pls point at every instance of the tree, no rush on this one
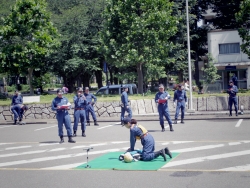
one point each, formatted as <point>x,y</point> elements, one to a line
<point>243,19</point>
<point>136,34</point>
<point>28,37</point>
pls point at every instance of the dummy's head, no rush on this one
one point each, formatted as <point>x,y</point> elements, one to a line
<point>128,157</point>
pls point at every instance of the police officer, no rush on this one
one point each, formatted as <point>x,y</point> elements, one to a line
<point>181,98</point>
<point>138,132</point>
<point>61,105</point>
<point>18,111</point>
<point>235,80</point>
<point>90,106</point>
<point>16,103</point>
<point>232,91</point>
<point>161,98</point>
<point>79,113</point>
<point>125,105</point>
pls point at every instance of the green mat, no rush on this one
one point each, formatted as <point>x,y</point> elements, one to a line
<point>110,161</point>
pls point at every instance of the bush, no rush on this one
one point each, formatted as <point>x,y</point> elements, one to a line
<point>3,97</point>
<point>11,89</point>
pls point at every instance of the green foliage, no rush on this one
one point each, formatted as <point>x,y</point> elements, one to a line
<point>243,20</point>
<point>136,33</point>
<point>210,72</point>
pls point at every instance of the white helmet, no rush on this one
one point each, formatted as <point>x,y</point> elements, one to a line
<point>128,157</point>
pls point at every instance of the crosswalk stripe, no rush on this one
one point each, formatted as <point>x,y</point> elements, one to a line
<point>54,157</point>
<point>198,148</point>
<point>105,126</point>
<point>19,147</point>
<point>234,143</point>
<point>5,143</point>
<point>201,159</point>
<point>23,153</point>
<point>57,149</point>
<point>239,122</point>
<point>64,167</point>
<point>237,168</point>
<point>181,142</point>
<point>49,144</point>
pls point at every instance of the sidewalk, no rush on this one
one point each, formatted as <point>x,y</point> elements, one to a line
<point>203,115</point>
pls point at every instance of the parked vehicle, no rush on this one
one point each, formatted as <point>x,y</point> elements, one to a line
<point>117,89</point>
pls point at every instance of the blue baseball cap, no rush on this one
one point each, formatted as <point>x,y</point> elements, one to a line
<point>126,120</point>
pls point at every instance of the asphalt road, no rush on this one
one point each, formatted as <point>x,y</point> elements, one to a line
<point>213,153</point>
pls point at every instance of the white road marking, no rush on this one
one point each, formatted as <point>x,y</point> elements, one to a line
<point>77,147</point>
<point>237,168</point>
<point>166,126</point>
<point>198,148</point>
<point>8,126</point>
<point>101,144</point>
<point>118,123</point>
<point>5,143</point>
<point>239,122</point>
<point>57,149</point>
<point>49,144</point>
<point>233,143</point>
<point>181,142</point>
<point>19,147</point>
<point>201,159</point>
<point>64,167</point>
<point>105,126</point>
<point>55,157</point>
<point>166,143</point>
<point>120,142</point>
<point>45,128</point>
<point>23,153</point>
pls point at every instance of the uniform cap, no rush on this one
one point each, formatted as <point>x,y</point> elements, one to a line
<point>125,87</point>
<point>161,86</point>
<point>126,120</point>
<point>231,81</point>
<point>179,85</point>
<point>79,89</point>
<point>59,91</point>
<point>86,88</point>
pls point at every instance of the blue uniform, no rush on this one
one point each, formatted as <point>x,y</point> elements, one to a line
<point>163,108</point>
<point>89,106</point>
<point>62,115</point>
<point>18,112</point>
<point>125,107</point>
<point>79,112</point>
<point>181,98</point>
<point>232,91</point>
<point>17,100</point>
<point>147,142</point>
<point>235,80</point>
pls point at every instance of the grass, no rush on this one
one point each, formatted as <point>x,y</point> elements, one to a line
<point>110,98</point>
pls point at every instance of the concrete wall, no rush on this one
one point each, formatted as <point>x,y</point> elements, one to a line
<point>139,107</point>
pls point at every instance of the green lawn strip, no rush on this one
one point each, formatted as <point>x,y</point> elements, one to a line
<point>109,161</point>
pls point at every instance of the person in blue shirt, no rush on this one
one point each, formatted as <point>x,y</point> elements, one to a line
<point>125,106</point>
<point>61,105</point>
<point>232,91</point>
<point>235,80</point>
<point>79,113</point>
<point>16,103</point>
<point>181,99</point>
<point>161,98</point>
<point>138,132</point>
<point>90,106</point>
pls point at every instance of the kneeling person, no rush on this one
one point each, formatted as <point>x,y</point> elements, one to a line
<point>147,141</point>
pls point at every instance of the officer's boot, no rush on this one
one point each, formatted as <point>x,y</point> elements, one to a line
<point>171,127</point>
<point>175,121</point>
<point>74,133</point>
<point>83,134</point>
<point>236,113</point>
<point>230,113</point>
<point>71,140</point>
<point>62,140</point>
<point>88,123</point>
<point>167,152</point>
<point>182,121</point>
<point>122,123</point>
<point>161,153</point>
<point>95,123</point>
<point>14,122</point>
<point>162,128</point>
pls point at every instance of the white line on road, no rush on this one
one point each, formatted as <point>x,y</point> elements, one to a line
<point>5,143</point>
<point>64,167</point>
<point>45,128</point>
<point>181,142</point>
<point>198,148</point>
<point>201,159</point>
<point>55,157</point>
<point>239,122</point>
<point>237,168</point>
<point>23,153</point>
<point>8,126</point>
<point>57,149</point>
<point>105,126</point>
<point>120,142</point>
<point>165,143</point>
<point>49,144</point>
<point>20,147</point>
<point>233,143</point>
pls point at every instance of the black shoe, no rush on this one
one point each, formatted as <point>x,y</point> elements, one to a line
<point>14,122</point>
<point>88,123</point>
<point>160,153</point>
<point>236,113</point>
<point>71,140</point>
<point>95,123</point>
<point>182,121</point>
<point>83,134</point>
<point>230,113</point>
<point>62,140</point>
<point>20,119</point>
<point>167,152</point>
<point>163,130</point>
<point>175,121</point>
<point>74,133</point>
<point>122,123</point>
<point>171,127</point>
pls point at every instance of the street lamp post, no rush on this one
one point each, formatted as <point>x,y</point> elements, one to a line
<point>189,62</point>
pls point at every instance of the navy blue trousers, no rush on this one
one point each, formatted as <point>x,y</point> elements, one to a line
<point>79,114</point>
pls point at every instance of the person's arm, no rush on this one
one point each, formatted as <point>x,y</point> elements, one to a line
<point>126,99</point>
<point>53,105</point>
<point>175,96</point>
<point>94,97</point>
<point>156,98</point>
<point>21,99</point>
<point>235,89</point>
<point>132,140</point>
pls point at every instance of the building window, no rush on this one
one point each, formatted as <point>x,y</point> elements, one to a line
<point>229,48</point>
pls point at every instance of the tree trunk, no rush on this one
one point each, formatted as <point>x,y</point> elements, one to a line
<point>98,75</point>
<point>85,79</point>
<point>115,78</point>
<point>196,73</point>
<point>30,70</point>
<point>140,78</point>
